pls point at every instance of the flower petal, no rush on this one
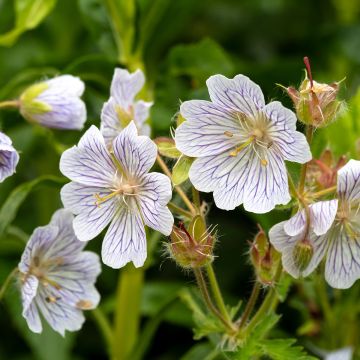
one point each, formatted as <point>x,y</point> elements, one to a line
<point>91,217</point>
<point>238,94</point>
<point>28,291</point>
<point>141,113</point>
<point>110,126</point>
<point>204,132</point>
<point>125,240</point>
<point>349,180</point>
<point>267,185</point>
<point>32,318</point>
<point>9,158</point>
<point>89,163</point>
<point>125,86</point>
<point>136,154</point>
<point>342,267</point>
<point>67,84</point>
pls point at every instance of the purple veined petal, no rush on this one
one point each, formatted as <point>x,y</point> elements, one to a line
<point>322,216</point>
<point>125,86</point>
<point>41,240</point>
<point>32,318</point>
<point>136,154</point>
<point>267,185</point>
<point>65,84</point>
<point>89,163</point>
<point>204,132</point>
<point>348,183</point>
<point>237,94</point>
<point>9,157</point>
<point>29,289</point>
<point>280,116</point>
<point>154,194</point>
<point>110,126</point>
<point>141,113</point>
<point>146,130</point>
<point>298,150</point>
<point>125,240</point>
<point>91,217</point>
<point>342,266</point>
<point>286,245</point>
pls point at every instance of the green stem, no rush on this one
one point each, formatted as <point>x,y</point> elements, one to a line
<point>105,328</point>
<point>309,136</point>
<point>127,312</point>
<point>196,198</point>
<point>207,299</point>
<point>250,304</point>
<point>217,293</point>
<point>9,104</point>
<point>6,283</point>
<point>327,191</point>
<point>179,210</point>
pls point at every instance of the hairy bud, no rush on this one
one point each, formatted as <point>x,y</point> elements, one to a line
<point>302,254</point>
<point>192,247</point>
<point>264,258</point>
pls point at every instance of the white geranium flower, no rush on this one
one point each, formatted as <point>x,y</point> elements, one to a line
<point>8,157</point>
<point>122,106</point>
<point>333,234</point>
<point>240,145</point>
<point>116,187</point>
<point>55,103</point>
<point>57,276</point>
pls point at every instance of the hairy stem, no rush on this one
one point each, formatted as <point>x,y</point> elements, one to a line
<point>7,281</point>
<point>196,197</point>
<point>327,191</point>
<point>250,304</point>
<point>179,210</point>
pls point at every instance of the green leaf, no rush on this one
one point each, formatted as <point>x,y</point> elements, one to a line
<point>166,147</point>
<point>283,349</point>
<point>180,171</point>
<point>200,60</point>
<point>11,206</point>
<point>28,14</point>
<point>283,287</point>
<point>204,351</point>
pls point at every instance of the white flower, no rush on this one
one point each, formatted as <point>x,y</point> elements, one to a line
<point>240,145</point>
<point>57,276</point>
<point>116,188</point>
<point>8,157</point>
<point>55,103</point>
<point>333,234</point>
<point>122,107</point>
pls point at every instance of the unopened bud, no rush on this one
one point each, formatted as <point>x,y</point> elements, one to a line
<point>192,247</point>
<point>302,254</point>
<point>166,147</point>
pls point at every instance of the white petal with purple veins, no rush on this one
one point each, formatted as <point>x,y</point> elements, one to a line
<point>208,130</point>
<point>9,157</point>
<point>32,318</point>
<point>238,94</point>
<point>125,240</point>
<point>89,163</point>
<point>66,84</point>
<point>348,184</point>
<point>141,113</point>
<point>136,154</point>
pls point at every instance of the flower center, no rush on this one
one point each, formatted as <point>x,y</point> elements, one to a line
<point>124,115</point>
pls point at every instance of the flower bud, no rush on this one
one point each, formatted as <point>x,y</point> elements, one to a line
<point>316,104</point>
<point>166,147</point>
<point>264,258</point>
<point>302,254</point>
<point>192,247</point>
<point>55,103</point>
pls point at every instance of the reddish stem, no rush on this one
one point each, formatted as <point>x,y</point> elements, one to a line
<point>308,70</point>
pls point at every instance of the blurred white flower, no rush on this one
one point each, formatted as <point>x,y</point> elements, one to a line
<point>116,187</point>
<point>8,157</point>
<point>122,107</point>
<point>55,103</point>
<point>240,144</point>
<point>57,276</point>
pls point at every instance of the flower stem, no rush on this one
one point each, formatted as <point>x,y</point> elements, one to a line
<point>179,210</point>
<point>9,104</point>
<point>327,191</point>
<point>7,281</point>
<point>127,312</point>
<point>105,328</point>
<point>250,304</point>
<point>196,197</point>
<point>207,299</point>
<point>216,292</point>
<point>178,189</point>
<point>309,137</point>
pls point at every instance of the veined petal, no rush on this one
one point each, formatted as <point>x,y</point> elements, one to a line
<point>267,185</point>
<point>89,163</point>
<point>208,129</point>
<point>238,94</point>
<point>125,86</point>
<point>280,116</point>
<point>286,245</point>
<point>28,291</point>
<point>141,113</point>
<point>32,318</point>
<point>125,240</point>
<point>9,158</point>
<point>342,266</point>
<point>348,184</point>
<point>154,194</point>
<point>67,84</point>
<point>110,125</point>
<point>136,154</point>
<point>91,217</point>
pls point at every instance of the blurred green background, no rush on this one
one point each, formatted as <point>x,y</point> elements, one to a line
<point>184,43</point>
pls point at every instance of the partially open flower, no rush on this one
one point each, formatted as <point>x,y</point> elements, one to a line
<point>192,247</point>
<point>264,258</point>
<point>55,103</point>
<point>315,103</point>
